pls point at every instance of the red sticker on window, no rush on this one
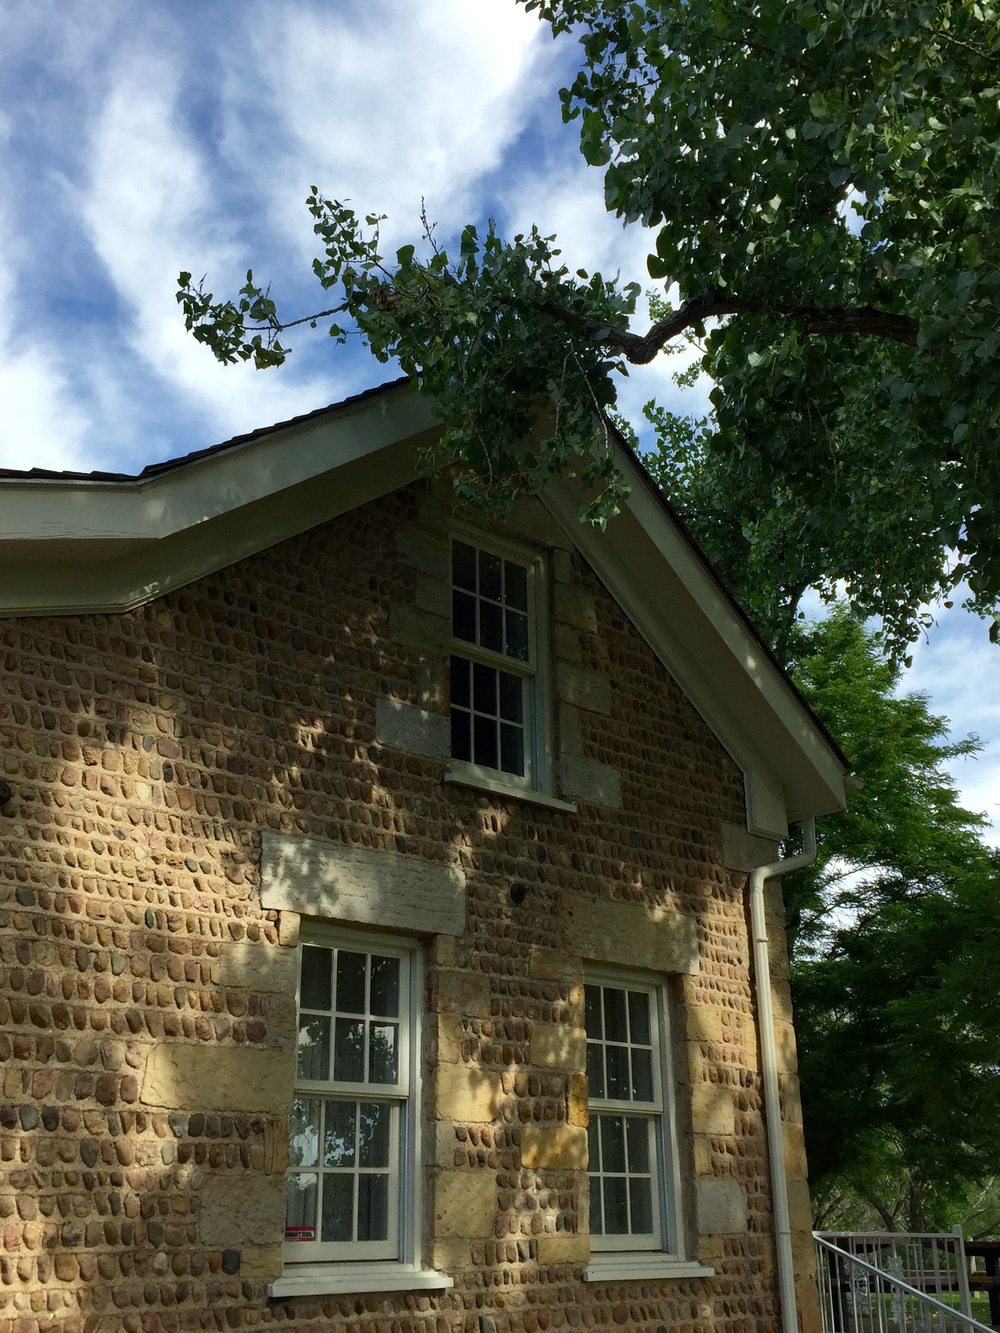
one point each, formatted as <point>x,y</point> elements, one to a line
<point>300,1233</point>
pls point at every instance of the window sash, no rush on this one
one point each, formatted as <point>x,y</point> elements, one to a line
<point>363,1187</point>
<point>632,1167</point>
<point>494,729</point>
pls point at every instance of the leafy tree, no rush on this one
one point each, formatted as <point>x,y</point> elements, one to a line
<point>893,931</point>
<point>821,179</point>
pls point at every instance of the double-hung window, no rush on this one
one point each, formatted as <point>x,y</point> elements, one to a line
<point>495,704</point>
<point>631,1139</point>
<point>351,1186</point>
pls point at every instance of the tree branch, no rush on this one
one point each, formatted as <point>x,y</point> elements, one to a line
<point>641,348</point>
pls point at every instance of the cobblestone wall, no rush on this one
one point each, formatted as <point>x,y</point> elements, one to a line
<point>146,755</point>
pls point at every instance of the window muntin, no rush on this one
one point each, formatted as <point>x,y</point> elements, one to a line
<point>629,1136</point>
<point>493,662</point>
<point>349,1115</point>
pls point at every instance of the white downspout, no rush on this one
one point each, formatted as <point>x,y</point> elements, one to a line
<point>769,1070</point>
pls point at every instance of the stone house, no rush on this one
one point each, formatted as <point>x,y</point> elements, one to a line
<point>374,936</point>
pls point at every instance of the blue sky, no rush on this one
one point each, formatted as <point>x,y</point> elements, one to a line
<point>139,139</point>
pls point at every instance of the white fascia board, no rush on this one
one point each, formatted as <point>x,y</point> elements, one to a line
<point>77,545</point>
<point>790,769</point>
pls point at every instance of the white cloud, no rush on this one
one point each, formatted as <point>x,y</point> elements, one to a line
<point>384,105</point>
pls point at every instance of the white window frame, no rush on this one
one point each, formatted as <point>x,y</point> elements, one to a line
<point>660,1250</point>
<point>393,1265</point>
<point>534,672</point>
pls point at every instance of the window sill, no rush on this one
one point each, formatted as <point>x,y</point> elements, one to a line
<point>344,1279</point>
<point>460,776</point>
<point>645,1266</point>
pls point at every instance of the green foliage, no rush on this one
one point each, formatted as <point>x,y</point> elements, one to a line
<point>893,933</point>
<point>822,180</point>
<point>475,333</point>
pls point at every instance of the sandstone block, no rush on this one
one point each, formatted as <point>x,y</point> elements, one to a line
<point>182,1076</point>
<point>583,688</point>
<point>555,1046</point>
<point>720,1207</point>
<point>242,1209</point>
<point>589,780</point>
<point>357,884</point>
<point>423,551</point>
<point>574,607</point>
<point>413,628</point>
<point>403,727</point>
<point>463,993</point>
<point>649,937</point>
<point>563,1249</point>
<point>451,1256</point>
<point>263,1263</point>
<point>464,1204</point>
<point>467,1094</point>
<point>712,1110</point>
<point>256,967</point>
<point>554,1148</point>
<point>434,596</point>
<point>553,965</point>
<point>578,1101</point>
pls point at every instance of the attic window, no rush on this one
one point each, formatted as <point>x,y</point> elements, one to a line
<point>495,706</point>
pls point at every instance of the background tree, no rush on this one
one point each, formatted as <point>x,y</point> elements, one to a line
<point>893,931</point>
<point>821,179</point>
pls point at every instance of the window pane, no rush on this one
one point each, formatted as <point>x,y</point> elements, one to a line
<point>463,565</point>
<point>461,736</point>
<point>491,626</point>
<point>614,1015</point>
<point>484,688</point>
<point>642,1076</point>
<point>612,1143</point>
<point>373,1137</point>
<point>300,1207</point>
<point>385,986</point>
<point>615,1206</point>
<point>338,1134</point>
<point>595,1070</point>
<point>382,1053</point>
<point>511,697</point>
<point>594,1144</point>
<point>515,585</point>
<point>463,616</point>
<point>350,982</point>
<point>349,1051</point>
<point>461,690</point>
<point>619,1083</point>
<point>596,1218</point>
<point>489,575</point>
<point>641,1201</point>
<point>593,1020</point>
<point>485,742</point>
<point>637,1135</point>
<point>516,637</point>
<point>313,1049</point>
<point>315,991</point>
<point>373,1207</point>
<point>512,750</point>
<point>303,1132</point>
<point>638,1015</point>
<point>338,1207</point>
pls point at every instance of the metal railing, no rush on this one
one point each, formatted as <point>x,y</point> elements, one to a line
<point>884,1282</point>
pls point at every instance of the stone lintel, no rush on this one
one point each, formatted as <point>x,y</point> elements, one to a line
<point>381,889</point>
<point>645,937</point>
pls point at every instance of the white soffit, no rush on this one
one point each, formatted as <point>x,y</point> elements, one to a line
<point>78,545</point>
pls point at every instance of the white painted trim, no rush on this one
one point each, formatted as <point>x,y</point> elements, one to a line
<point>644,1267</point>
<point>343,1279</point>
<point>478,779</point>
